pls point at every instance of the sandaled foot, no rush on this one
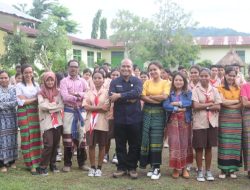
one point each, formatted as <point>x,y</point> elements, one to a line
<point>175,174</point>
<point>4,169</point>
<point>185,174</point>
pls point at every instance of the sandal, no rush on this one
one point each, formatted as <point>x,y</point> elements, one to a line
<point>4,169</point>
<point>185,174</point>
<point>175,174</point>
<point>13,166</point>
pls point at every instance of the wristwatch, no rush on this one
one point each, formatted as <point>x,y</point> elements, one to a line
<point>207,108</point>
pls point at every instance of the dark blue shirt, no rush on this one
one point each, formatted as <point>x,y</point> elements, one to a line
<point>127,109</point>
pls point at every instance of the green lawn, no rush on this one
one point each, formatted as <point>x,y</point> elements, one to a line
<point>76,179</point>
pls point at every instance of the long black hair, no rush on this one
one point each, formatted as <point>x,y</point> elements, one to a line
<point>23,67</point>
<point>185,86</point>
<point>229,69</point>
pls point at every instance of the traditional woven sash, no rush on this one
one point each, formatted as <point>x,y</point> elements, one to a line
<point>77,118</point>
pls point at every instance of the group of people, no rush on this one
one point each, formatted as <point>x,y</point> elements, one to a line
<point>194,110</point>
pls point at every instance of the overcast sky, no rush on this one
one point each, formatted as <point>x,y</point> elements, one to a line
<point>217,13</point>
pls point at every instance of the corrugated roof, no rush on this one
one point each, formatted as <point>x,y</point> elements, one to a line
<point>31,32</point>
<point>11,11</point>
<point>94,43</point>
<point>223,41</point>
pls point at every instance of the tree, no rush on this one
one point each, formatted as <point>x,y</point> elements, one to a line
<point>96,24</point>
<point>41,8</point>
<point>103,28</point>
<point>62,14</point>
<point>173,45</point>
<point>134,32</point>
<point>162,37</point>
<point>51,43</point>
<point>20,50</point>
<point>205,63</point>
<point>21,7</point>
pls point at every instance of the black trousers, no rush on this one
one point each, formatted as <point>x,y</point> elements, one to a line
<point>131,135</point>
<point>51,139</point>
<point>81,155</point>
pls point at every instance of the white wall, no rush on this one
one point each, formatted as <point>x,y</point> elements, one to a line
<point>216,53</point>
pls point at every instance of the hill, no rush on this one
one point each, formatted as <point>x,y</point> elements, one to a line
<point>212,31</point>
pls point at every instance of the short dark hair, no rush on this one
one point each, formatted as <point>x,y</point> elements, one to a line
<point>135,66</point>
<point>87,70</point>
<point>197,67</point>
<point>144,73</point>
<point>18,67</point>
<point>113,70</point>
<point>72,60</point>
<point>220,66</point>
<point>181,67</point>
<point>59,77</point>
<point>17,75</point>
<point>213,66</point>
<point>205,69</point>
<point>106,63</point>
<point>3,71</point>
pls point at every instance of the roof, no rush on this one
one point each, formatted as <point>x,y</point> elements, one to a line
<point>9,13</point>
<point>94,43</point>
<point>104,43</point>
<point>223,41</point>
<point>231,58</point>
<point>31,32</point>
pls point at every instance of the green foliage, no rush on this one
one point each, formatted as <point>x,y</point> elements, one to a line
<point>103,28</point>
<point>162,37</point>
<point>134,31</point>
<point>62,14</point>
<point>51,43</point>
<point>19,48</point>
<point>41,8</point>
<point>96,24</point>
<point>100,62</point>
<point>205,63</point>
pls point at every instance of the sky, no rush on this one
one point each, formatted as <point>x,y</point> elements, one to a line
<point>209,13</point>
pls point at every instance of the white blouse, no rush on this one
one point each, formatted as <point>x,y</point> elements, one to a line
<point>30,91</point>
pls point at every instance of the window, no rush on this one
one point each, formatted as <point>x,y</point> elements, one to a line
<point>241,54</point>
<point>77,55</point>
<point>90,55</point>
<point>99,56</point>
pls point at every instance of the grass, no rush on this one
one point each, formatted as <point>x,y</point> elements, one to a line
<point>20,178</point>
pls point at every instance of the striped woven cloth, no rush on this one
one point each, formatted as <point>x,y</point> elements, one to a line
<point>152,135</point>
<point>246,138</point>
<point>230,140</point>
<point>31,143</point>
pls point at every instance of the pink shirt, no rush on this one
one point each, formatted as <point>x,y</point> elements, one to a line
<point>69,86</point>
<point>245,91</point>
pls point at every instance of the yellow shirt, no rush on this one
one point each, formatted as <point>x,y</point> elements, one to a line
<point>232,94</point>
<point>156,88</point>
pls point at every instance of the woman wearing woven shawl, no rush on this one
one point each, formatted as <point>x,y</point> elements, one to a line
<point>50,115</point>
<point>96,125</point>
